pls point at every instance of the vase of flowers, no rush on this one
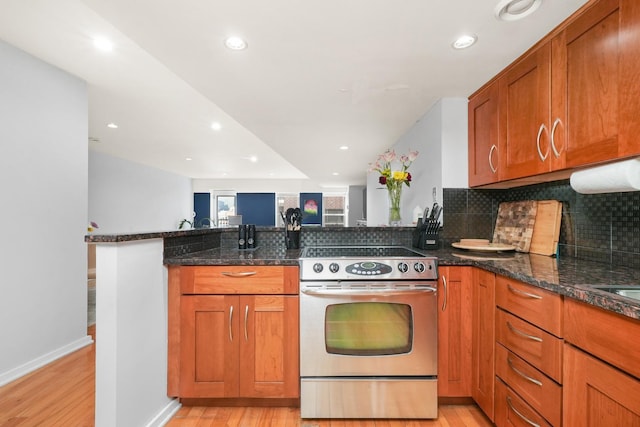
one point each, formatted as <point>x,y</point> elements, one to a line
<point>394,180</point>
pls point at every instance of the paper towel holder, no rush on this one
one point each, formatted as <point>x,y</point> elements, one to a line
<point>616,177</point>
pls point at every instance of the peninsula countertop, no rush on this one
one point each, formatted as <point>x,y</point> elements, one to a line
<point>566,276</point>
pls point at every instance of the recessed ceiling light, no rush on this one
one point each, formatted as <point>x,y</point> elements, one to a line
<point>344,147</point>
<point>464,41</point>
<point>188,159</point>
<point>512,10</point>
<point>253,159</point>
<point>112,126</point>
<point>235,43</point>
<point>216,126</point>
<point>336,173</point>
<point>103,44</point>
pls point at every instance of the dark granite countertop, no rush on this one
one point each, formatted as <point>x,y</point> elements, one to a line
<point>570,277</point>
<point>267,255</point>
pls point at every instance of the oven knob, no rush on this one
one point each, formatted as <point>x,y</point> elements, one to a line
<point>403,267</point>
<point>317,267</point>
<point>419,267</point>
<point>333,267</point>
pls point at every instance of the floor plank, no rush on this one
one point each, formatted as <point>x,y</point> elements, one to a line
<point>63,394</point>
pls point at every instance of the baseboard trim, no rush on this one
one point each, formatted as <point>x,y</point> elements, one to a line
<point>166,414</point>
<point>22,370</point>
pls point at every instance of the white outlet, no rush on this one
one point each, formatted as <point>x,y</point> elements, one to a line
<point>435,194</point>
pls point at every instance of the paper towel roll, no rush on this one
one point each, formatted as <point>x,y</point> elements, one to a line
<point>610,178</point>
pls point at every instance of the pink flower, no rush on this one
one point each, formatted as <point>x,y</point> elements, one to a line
<point>389,156</point>
<point>413,155</point>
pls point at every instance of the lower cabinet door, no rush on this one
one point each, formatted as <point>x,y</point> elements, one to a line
<point>209,349</point>
<point>511,410</point>
<point>269,346</point>
<point>597,394</point>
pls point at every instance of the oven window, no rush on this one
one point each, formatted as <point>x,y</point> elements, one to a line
<point>368,328</point>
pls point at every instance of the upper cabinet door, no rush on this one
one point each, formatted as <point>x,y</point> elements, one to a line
<point>629,44</point>
<point>586,85</point>
<point>525,91</point>
<point>483,136</point>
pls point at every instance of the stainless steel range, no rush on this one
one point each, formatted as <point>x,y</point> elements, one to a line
<point>368,333</point>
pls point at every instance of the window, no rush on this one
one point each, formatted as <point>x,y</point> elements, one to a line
<point>284,202</point>
<point>225,207</point>
<point>334,210</point>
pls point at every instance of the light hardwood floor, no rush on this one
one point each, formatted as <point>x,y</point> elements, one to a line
<point>62,394</point>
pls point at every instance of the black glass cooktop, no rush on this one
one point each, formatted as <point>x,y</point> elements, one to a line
<point>359,252</point>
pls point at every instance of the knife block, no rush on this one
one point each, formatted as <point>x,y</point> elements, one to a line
<point>423,239</point>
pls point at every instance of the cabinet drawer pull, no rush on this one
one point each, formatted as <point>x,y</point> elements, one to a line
<point>444,303</point>
<point>542,157</point>
<point>553,140</point>
<point>522,334</point>
<point>522,374</point>
<point>515,411</point>
<point>493,148</point>
<point>230,321</point>
<point>523,293</point>
<point>246,316</point>
<point>239,274</point>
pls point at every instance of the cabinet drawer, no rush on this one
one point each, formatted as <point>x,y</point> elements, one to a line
<point>239,279</point>
<point>535,305</point>
<point>539,348</point>
<point>607,335</point>
<point>540,392</point>
<point>511,410</point>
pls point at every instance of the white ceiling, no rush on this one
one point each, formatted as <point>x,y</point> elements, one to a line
<point>316,75</point>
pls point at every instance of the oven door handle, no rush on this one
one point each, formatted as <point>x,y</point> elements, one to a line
<point>344,292</point>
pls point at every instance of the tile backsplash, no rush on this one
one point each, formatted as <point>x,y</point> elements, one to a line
<point>598,227</point>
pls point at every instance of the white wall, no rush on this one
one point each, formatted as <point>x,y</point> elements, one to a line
<point>43,188</point>
<point>129,197</point>
<point>441,138</point>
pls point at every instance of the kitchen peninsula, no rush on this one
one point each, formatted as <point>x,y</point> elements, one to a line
<point>131,360</point>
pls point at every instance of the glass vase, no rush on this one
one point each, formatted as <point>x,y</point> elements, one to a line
<point>395,216</point>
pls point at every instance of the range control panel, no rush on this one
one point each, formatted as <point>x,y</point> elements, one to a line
<point>424,268</point>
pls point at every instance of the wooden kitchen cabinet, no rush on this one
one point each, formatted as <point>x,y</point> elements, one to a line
<point>454,331</point>
<point>529,353</point>
<point>587,86</point>
<point>237,333</point>
<point>484,154</point>
<point>525,92</point>
<point>601,367</point>
<point>598,394</point>
<point>571,101</point>
<point>483,342</point>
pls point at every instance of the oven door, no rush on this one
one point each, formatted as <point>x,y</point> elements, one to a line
<point>368,332</point>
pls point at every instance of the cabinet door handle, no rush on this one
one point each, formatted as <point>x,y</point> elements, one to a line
<point>542,157</point>
<point>523,293</point>
<point>239,274</point>
<point>522,334</point>
<point>493,148</point>
<point>444,284</point>
<point>246,316</point>
<point>553,141</point>
<point>522,374</point>
<point>525,419</point>
<point>230,322</point>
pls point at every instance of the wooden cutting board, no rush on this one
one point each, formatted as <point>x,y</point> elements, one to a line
<point>546,231</point>
<point>515,222</point>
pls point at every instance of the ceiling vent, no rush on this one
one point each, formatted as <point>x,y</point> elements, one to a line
<point>513,10</point>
